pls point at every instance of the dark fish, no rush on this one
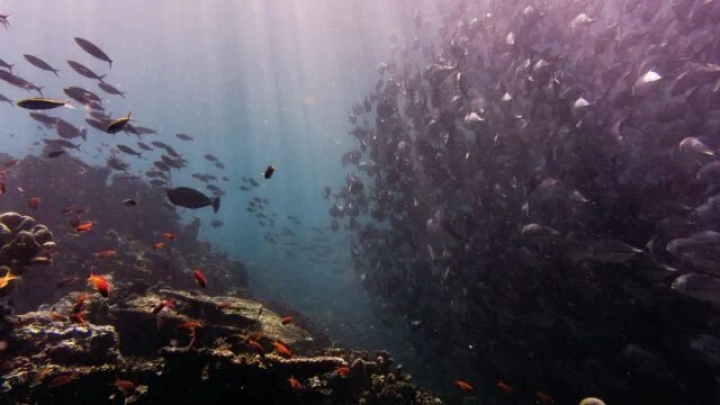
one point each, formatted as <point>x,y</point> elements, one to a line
<point>159,144</point>
<point>44,119</point>
<point>93,50</point>
<point>100,116</point>
<point>253,183</point>
<point>99,125</point>
<point>216,223</point>
<point>220,165</point>
<point>130,129</point>
<point>82,96</point>
<point>157,183</point>
<point>5,65</point>
<point>3,98</point>
<point>55,153</point>
<point>145,130</point>
<point>161,165</point>
<point>62,143</point>
<point>128,150</point>
<point>68,131</point>
<point>144,146</point>
<point>111,90</point>
<point>118,124</point>
<point>211,158</point>
<point>184,137</point>
<point>190,198</point>
<point>269,171</point>
<point>117,164</point>
<point>19,81</point>
<point>129,203</point>
<point>41,64</point>
<point>40,103</point>
<point>83,70</point>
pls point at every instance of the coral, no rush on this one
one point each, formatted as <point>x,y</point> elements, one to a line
<point>22,239</point>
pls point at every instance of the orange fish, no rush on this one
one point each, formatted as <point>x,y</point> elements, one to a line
<point>61,380</point>
<point>295,384</point>
<point>282,349</point>
<point>79,318</point>
<point>6,279</point>
<point>223,305</point>
<point>191,326</point>
<point>286,320</point>
<point>79,303</point>
<point>464,385</point>
<point>168,236</point>
<point>509,390</point>
<point>66,210</point>
<point>33,203</point>
<point>10,163</point>
<point>545,398</point>
<point>100,284</point>
<point>105,254</point>
<point>343,371</point>
<point>158,246</point>
<point>126,386</point>
<point>169,303</point>
<point>257,346</point>
<point>200,278</point>
<point>84,227</point>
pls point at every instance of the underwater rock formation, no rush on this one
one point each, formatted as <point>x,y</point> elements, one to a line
<point>136,359</point>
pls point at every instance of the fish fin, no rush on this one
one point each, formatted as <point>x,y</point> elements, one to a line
<point>216,204</point>
<point>70,106</point>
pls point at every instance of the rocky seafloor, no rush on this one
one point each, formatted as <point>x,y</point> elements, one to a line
<point>133,352</point>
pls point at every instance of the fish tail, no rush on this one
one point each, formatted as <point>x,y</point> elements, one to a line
<point>56,73</point>
<point>101,77</point>
<point>83,134</point>
<point>216,204</point>
<point>110,63</point>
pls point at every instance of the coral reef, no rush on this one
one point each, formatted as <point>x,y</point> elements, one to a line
<point>136,357</point>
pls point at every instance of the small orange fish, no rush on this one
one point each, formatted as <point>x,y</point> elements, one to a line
<point>191,326</point>
<point>464,385</point>
<point>545,398</point>
<point>200,278</point>
<point>105,254</point>
<point>79,318</point>
<point>33,203</point>
<point>79,303</point>
<point>169,303</point>
<point>257,346</point>
<point>84,227</point>
<point>507,389</point>
<point>168,236</point>
<point>223,305</point>
<point>282,349</point>
<point>6,279</point>
<point>158,246</point>
<point>286,320</point>
<point>126,386</point>
<point>100,284</point>
<point>61,380</point>
<point>3,188</point>
<point>343,371</point>
<point>295,384</point>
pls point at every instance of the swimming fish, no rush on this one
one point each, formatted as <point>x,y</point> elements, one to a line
<point>100,284</point>
<point>42,103</point>
<point>190,198</point>
<point>269,171</point>
<point>200,278</point>
<point>464,385</point>
<point>93,50</point>
<point>118,124</point>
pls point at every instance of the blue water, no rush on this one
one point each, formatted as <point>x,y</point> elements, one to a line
<point>255,82</point>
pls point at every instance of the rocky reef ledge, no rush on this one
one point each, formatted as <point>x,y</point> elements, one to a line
<point>176,347</point>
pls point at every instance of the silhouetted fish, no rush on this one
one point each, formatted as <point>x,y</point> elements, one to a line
<point>84,70</point>
<point>41,64</point>
<point>191,198</point>
<point>93,50</point>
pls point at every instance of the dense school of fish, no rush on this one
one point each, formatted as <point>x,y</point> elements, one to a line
<point>535,190</point>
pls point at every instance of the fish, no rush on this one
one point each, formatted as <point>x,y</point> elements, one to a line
<point>129,202</point>
<point>93,50</point>
<point>67,130</point>
<point>158,246</point>
<point>190,326</point>
<point>82,96</point>
<point>41,64</point>
<point>269,171</point>
<point>33,203</point>
<point>84,71</point>
<point>126,386</point>
<point>84,227</point>
<point>118,124</point>
<point>105,254</point>
<point>41,103</point>
<point>286,320</point>
<point>211,158</point>
<point>464,385</point>
<point>55,153</point>
<point>545,398</point>
<point>63,379</point>
<point>168,303</point>
<point>200,278</point>
<point>190,198</point>
<point>128,150</point>
<point>507,389</point>
<point>295,384</point>
<point>66,282</point>
<point>7,100</point>
<point>79,304</point>
<point>184,137</point>
<point>699,286</point>
<point>168,236</point>
<point>6,279</point>
<point>100,284</point>
<point>257,346</point>
<point>282,349</point>
<point>5,65</point>
<point>110,89</point>
<point>79,318</point>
